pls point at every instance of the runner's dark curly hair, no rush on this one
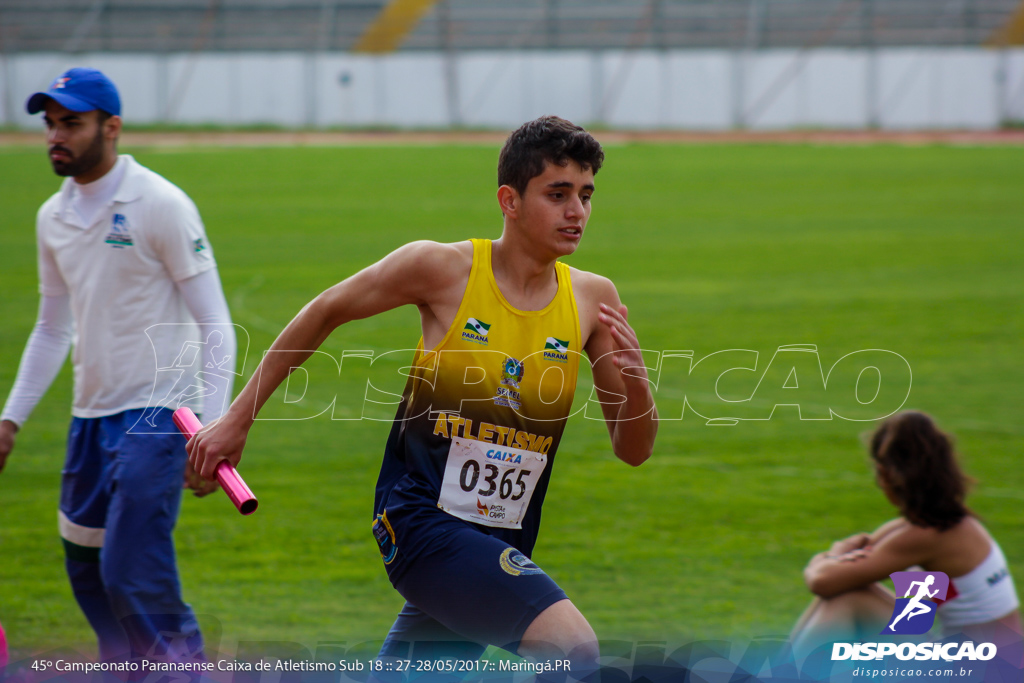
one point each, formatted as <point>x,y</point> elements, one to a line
<point>918,468</point>
<point>547,139</point>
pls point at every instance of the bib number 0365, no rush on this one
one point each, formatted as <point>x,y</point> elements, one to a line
<point>471,475</point>
<point>488,484</point>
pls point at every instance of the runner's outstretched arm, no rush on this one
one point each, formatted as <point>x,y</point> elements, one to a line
<point>411,274</point>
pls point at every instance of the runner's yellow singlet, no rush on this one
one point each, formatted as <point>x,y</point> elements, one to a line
<point>483,413</point>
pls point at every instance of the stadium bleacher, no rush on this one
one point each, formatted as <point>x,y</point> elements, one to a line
<point>336,25</point>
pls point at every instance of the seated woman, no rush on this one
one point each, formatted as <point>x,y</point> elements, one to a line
<point>917,470</point>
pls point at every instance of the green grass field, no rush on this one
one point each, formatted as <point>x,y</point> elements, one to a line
<point>915,250</point>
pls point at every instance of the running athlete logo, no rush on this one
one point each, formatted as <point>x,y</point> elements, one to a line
<point>914,613</point>
<point>198,371</point>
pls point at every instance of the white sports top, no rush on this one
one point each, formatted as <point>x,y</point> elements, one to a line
<point>984,594</point>
<point>120,269</point>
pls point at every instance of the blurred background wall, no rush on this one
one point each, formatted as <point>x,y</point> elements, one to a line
<point>674,64</point>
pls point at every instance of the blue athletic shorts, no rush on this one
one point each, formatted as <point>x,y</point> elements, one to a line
<point>126,476</point>
<point>468,587</point>
<point>120,495</point>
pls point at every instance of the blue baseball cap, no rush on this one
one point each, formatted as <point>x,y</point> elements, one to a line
<point>79,90</point>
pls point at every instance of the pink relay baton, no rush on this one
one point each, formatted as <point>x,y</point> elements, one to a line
<point>227,476</point>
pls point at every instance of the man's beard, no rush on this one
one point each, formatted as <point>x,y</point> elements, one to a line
<point>89,159</point>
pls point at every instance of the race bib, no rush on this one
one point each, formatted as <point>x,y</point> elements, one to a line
<point>488,484</point>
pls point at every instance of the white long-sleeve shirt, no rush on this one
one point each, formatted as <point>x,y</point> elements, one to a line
<point>128,279</point>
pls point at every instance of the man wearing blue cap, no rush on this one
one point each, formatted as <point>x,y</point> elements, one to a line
<point>126,272</point>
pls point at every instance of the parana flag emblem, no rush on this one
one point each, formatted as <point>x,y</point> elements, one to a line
<point>556,345</point>
<point>477,326</point>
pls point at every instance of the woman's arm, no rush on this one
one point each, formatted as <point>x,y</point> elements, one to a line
<point>899,545</point>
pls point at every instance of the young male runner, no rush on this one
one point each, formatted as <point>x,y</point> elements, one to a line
<point>126,271</point>
<point>470,453</point>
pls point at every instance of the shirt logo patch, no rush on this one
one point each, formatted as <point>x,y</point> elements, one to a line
<point>517,564</point>
<point>475,331</point>
<point>512,372</point>
<point>199,245</point>
<point>508,395</point>
<point>556,349</point>
<point>119,236</point>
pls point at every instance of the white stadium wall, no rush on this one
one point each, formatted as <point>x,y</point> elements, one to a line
<point>893,88</point>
